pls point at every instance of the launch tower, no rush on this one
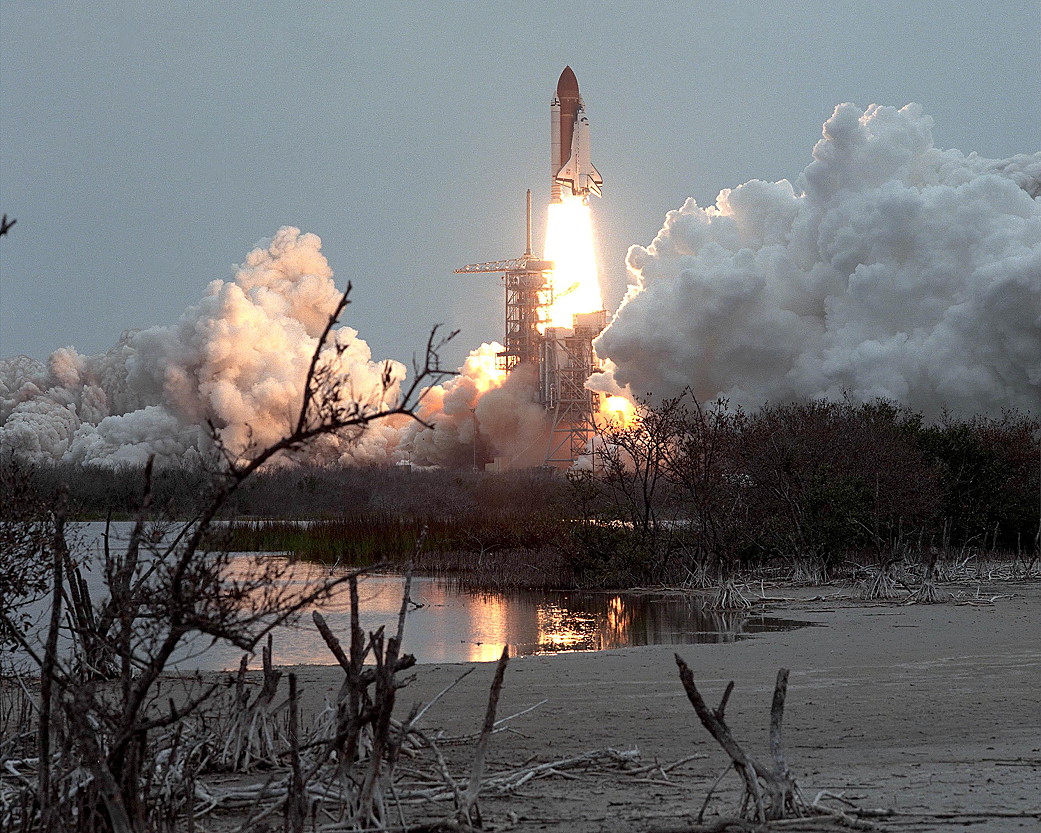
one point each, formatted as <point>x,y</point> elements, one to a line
<point>563,357</point>
<point>566,361</point>
<point>528,295</point>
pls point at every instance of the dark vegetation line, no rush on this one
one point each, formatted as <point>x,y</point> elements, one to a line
<point>688,494</point>
<point>817,488</point>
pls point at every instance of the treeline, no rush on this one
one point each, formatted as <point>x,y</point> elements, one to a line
<point>685,494</point>
<point>699,493</point>
<point>294,493</point>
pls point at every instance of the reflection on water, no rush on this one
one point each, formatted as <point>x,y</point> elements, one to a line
<point>453,625</point>
<point>450,624</point>
<point>599,621</point>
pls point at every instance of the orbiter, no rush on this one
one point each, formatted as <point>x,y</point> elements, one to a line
<point>572,170</point>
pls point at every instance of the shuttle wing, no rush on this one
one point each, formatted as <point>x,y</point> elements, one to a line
<point>578,172</point>
<point>568,175</point>
<point>594,181</point>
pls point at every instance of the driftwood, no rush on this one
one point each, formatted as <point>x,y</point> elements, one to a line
<point>365,741</point>
<point>929,592</point>
<point>296,802</point>
<point>729,597</point>
<point>254,737</point>
<point>469,812</point>
<point>883,584</point>
<point>345,775</point>
<point>770,792</point>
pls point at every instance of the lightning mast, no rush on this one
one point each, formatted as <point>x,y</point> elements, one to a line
<point>529,295</point>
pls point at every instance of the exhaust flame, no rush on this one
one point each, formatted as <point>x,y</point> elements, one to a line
<point>569,244</point>
<point>617,411</point>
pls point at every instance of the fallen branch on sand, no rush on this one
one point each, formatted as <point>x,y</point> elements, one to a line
<point>966,816</point>
<point>771,794</point>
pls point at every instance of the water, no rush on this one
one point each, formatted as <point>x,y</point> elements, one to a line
<point>446,623</point>
<point>454,625</point>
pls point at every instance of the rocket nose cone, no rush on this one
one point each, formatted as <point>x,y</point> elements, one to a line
<point>567,84</point>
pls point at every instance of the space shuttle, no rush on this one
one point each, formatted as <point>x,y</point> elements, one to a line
<point>572,172</point>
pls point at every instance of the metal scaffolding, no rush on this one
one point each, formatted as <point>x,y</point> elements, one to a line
<point>564,357</point>
<point>568,360</point>
<point>529,295</point>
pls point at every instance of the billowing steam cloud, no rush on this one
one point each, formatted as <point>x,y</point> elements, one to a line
<point>238,358</point>
<point>481,412</point>
<point>892,269</point>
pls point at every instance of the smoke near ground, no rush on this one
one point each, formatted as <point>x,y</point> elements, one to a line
<point>891,269</point>
<point>238,358</point>
<point>478,415</point>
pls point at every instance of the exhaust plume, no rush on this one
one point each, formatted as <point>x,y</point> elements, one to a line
<point>478,415</point>
<point>238,358</point>
<point>891,269</point>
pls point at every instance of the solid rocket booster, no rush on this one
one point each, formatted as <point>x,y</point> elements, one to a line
<point>572,172</point>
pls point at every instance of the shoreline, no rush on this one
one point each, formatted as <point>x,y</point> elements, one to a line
<point>913,708</point>
<point>929,713</point>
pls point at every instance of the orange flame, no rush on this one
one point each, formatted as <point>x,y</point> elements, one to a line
<point>617,411</point>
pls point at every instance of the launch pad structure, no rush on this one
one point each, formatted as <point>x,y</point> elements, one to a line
<point>563,358</point>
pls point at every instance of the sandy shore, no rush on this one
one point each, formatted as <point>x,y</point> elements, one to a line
<point>919,709</point>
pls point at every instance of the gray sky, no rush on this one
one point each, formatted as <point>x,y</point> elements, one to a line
<point>145,148</point>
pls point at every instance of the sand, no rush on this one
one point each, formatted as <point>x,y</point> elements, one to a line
<point>924,709</point>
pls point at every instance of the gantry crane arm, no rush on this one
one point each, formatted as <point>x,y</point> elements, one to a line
<point>517,264</point>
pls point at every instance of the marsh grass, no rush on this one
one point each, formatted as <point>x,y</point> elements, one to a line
<point>500,550</point>
<point>463,541</point>
<point>544,568</point>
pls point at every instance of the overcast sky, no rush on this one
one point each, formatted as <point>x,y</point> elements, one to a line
<point>146,147</point>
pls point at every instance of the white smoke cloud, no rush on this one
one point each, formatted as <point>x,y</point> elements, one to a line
<point>892,269</point>
<point>480,405</point>
<point>237,358</point>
